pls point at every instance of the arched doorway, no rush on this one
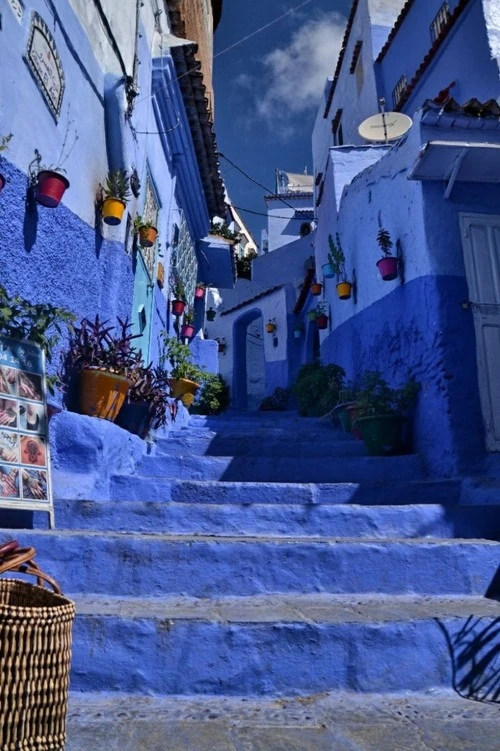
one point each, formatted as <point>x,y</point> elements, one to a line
<point>249,368</point>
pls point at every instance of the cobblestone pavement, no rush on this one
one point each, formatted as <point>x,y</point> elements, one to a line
<point>322,722</point>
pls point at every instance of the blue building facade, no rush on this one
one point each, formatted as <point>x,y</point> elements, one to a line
<point>100,87</point>
<point>436,192</point>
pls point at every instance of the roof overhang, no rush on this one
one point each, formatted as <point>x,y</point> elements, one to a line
<point>462,161</point>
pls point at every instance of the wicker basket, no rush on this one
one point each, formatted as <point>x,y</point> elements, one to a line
<point>35,657</point>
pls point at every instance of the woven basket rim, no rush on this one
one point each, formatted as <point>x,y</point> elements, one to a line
<point>58,600</point>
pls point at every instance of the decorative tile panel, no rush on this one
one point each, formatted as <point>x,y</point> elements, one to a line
<point>44,62</point>
<point>184,260</point>
<point>150,214</point>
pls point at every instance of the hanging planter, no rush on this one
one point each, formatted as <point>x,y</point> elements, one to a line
<point>50,188</point>
<point>221,345</point>
<point>210,314</point>
<point>322,321</point>
<point>327,270</point>
<point>298,332</point>
<point>199,292</point>
<point>270,327</point>
<point>316,288</point>
<point>117,194</point>
<point>312,315</point>
<point>344,290</point>
<point>184,389</point>
<point>112,211</point>
<point>147,236</point>
<point>187,330</point>
<point>178,307</point>
<point>388,268</point>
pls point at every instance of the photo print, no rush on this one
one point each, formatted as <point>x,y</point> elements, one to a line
<point>34,485</point>
<point>32,418</point>
<point>8,413</point>
<point>8,381</point>
<point>33,450</point>
<point>30,386</point>
<point>9,446</point>
<point>9,481</point>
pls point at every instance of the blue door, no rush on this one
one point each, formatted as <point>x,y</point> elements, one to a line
<point>143,308</point>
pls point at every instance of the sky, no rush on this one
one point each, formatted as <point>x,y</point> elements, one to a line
<point>268,89</point>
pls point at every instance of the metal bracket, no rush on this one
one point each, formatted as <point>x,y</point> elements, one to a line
<point>454,172</point>
<point>401,261</point>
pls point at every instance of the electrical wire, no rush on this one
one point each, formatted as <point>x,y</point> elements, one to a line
<point>261,213</point>
<point>252,179</point>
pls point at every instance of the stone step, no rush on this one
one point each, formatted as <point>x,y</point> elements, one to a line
<point>444,492</point>
<point>283,644</point>
<point>237,444</point>
<point>139,564</point>
<point>319,722</point>
<point>319,469</point>
<point>250,421</point>
<point>279,519</point>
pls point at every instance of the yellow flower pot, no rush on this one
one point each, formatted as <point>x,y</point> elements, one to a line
<point>270,328</point>
<point>184,389</point>
<point>102,393</point>
<point>112,210</point>
<point>344,290</point>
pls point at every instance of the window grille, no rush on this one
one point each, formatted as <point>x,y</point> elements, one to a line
<point>150,214</point>
<point>399,90</point>
<point>440,21</point>
<point>184,261</point>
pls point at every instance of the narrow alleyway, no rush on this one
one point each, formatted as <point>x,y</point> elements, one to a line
<point>259,557</point>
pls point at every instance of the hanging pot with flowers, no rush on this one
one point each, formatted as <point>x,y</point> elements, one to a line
<point>199,291</point>
<point>337,262</point>
<point>146,232</point>
<point>179,294</point>
<point>117,194</point>
<point>187,328</point>
<point>4,140</point>
<point>316,288</point>
<point>322,316</point>
<point>388,264</point>
<point>271,326</point>
<point>210,314</point>
<point>221,345</point>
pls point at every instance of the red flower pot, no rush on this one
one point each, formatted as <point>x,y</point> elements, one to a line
<point>178,307</point>
<point>187,330</point>
<point>50,188</point>
<point>2,183</point>
<point>322,321</point>
<point>199,292</point>
<point>388,268</point>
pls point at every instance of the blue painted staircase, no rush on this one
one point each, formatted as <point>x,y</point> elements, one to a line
<point>266,554</point>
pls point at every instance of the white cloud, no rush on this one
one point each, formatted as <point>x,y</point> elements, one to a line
<point>385,12</point>
<point>295,74</point>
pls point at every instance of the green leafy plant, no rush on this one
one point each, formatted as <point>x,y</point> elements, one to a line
<point>213,397</point>
<point>376,397</point>
<point>177,288</point>
<point>150,385</point>
<point>140,223</point>
<point>41,323</point>
<point>277,401</point>
<point>317,388</point>
<point>384,241</point>
<point>222,230</point>
<point>117,185</point>
<point>178,356</point>
<point>94,344</point>
<point>244,265</point>
<point>336,258</point>
<point>188,317</point>
<point>4,142</point>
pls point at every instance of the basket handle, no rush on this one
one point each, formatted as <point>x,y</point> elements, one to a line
<point>21,560</point>
<point>8,547</point>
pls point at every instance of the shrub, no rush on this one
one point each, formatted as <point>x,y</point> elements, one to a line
<point>277,402</point>
<point>317,388</point>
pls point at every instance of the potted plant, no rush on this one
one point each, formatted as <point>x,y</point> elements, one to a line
<point>337,263</point>
<point>219,229</point>
<point>50,183</point>
<point>322,316</point>
<point>221,345</point>
<point>117,194</point>
<point>146,231</point>
<point>276,402</point>
<point>199,292</point>
<point>312,314</point>
<point>213,397</point>
<point>210,314</point>
<point>179,293</point>
<point>345,410</point>
<point>146,402</point>
<point>381,413</point>
<point>271,326</point>
<point>4,141</point>
<point>317,388</point>
<point>316,288</point>
<point>388,264</point>
<point>40,323</point>
<point>103,359</point>
<point>244,265</point>
<point>184,376</point>
<point>187,328</point>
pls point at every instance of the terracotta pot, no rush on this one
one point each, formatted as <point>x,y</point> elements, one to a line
<point>328,272</point>
<point>388,268</point>
<point>2,183</point>
<point>316,289</point>
<point>178,307</point>
<point>160,274</point>
<point>184,389</point>
<point>344,290</point>
<point>199,292</point>
<point>147,236</point>
<point>101,393</point>
<point>112,211</point>
<point>270,328</point>
<point>322,321</point>
<point>221,347</point>
<point>50,188</point>
<point>187,330</point>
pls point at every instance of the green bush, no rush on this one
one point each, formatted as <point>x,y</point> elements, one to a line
<point>277,402</point>
<point>213,397</point>
<point>376,397</point>
<point>317,388</point>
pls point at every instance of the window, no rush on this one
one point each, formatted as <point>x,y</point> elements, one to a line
<point>357,66</point>
<point>399,91</point>
<point>338,136</point>
<point>184,261</point>
<point>440,22</point>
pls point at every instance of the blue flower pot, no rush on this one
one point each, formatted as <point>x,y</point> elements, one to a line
<point>328,272</point>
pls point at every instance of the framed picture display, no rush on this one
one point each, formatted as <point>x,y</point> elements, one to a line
<point>25,481</point>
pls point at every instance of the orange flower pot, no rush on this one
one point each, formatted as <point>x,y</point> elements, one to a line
<point>316,289</point>
<point>184,389</point>
<point>147,236</point>
<point>344,290</point>
<point>102,393</point>
<point>112,211</point>
<point>270,328</point>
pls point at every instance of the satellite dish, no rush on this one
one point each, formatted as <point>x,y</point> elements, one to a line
<point>384,127</point>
